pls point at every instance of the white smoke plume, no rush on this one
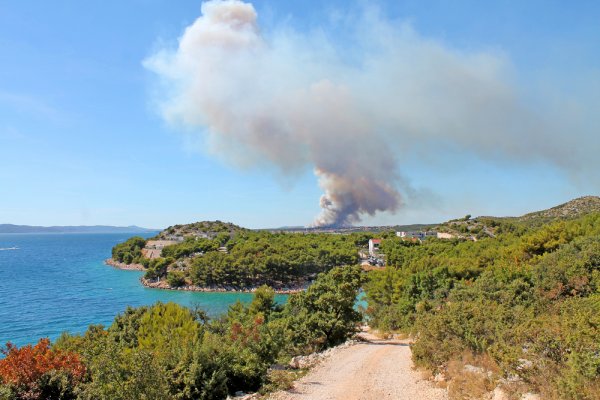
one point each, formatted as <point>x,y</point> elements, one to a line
<point>350,113</point>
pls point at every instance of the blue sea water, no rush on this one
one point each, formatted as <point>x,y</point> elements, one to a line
<point>51,283</point>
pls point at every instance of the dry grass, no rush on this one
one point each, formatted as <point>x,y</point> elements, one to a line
<point>464,384</point>
<point>386,335</point>
<point>282,380</point>
<point>426,374</point>
<point>515,390</point>
<point>401,335</point>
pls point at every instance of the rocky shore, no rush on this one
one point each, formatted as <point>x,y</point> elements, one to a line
<point>123,266</point>
<point>163,284</point>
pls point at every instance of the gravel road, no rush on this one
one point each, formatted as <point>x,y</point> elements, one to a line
<point>377,369</point>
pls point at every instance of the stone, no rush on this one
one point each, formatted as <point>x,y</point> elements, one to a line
<point>531,396</point>
<point>473,369</point>
<point>499,394</point>
<point>524,364</point>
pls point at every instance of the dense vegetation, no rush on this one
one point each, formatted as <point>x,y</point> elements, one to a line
<point>203,228</point>
<point>524,305</point>
<point>521,304</point>
<point>130,251</point>
<point>221,255</point>
<point>191,246</point>
<point>167,351</point>
<point>273,259</point>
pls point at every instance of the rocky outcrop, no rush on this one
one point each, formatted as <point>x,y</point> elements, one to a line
<point>571,209</point>
<point>123,266</point>
<point>163,284</point>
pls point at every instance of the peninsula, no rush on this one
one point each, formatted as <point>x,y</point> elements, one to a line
<point>218,256</point>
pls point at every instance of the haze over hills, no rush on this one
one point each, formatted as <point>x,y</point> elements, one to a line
<point>568,210</point>
<point>10,228</point>
<point>351,228</point>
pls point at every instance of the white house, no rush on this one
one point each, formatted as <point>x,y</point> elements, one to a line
<point>374,246</point>
<point>416,235</point>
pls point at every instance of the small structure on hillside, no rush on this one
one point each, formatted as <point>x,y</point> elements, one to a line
<point>153,248</point>
<point>416,234</point>
<point>374,246</point>
<point>174,238</point>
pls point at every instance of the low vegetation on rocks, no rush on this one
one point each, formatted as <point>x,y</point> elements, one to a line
<point>524,305</point>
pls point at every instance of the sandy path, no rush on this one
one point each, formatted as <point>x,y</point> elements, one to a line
<point>378,369</point>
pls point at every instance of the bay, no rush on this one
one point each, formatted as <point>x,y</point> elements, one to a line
<point>50,283</point>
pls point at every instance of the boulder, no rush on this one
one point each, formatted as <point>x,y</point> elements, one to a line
<point>499,394</point>
<point>531,396</point>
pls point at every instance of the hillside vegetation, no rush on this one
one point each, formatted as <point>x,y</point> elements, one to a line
<point>225,256</point>
<point>572,209</point>
<point>523,305</point>
<point>207,229</point>
<point>518,309</point>
<point>170,352</point>
<point>482,227</point>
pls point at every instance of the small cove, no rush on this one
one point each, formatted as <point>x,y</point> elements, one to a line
<point>53,283</point>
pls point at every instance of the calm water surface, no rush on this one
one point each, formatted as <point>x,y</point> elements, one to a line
<point>53,283</point>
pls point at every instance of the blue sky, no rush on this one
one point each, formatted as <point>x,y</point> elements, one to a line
<point>82,142</point>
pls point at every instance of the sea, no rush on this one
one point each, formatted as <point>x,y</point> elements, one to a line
<point>54,283</point>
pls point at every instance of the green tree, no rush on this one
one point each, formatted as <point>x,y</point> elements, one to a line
<point>324,315</point>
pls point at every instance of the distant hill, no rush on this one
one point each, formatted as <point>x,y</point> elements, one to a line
<point>10,228</point>
<point>207,229</point>
<point>571,209</point>
<point>353,229</point>
<point>490,226</point>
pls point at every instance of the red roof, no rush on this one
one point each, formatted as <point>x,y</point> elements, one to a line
<point>376,241</point>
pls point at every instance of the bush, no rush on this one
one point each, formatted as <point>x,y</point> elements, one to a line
<point>130,251</point>
<point>324,314</point>
<point>166,351</point>
<point>176,279</point>
<point>527,300</point>
<point>38,372</point>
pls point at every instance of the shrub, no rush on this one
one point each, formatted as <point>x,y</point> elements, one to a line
<point>38,372</point>
<point>129,251</point>
<point>324,314</point>
<point>176,279</point>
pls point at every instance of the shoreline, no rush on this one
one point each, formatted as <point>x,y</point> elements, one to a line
<point>122,266</point>
<point>163,285</point>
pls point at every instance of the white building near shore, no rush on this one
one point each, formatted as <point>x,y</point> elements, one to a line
<point>374,246</point>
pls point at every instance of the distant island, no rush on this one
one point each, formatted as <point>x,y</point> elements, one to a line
<point>10,228</point>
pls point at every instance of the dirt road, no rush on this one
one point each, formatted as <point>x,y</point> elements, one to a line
<point>377,369</point>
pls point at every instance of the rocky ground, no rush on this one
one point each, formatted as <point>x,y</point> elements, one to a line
<point>123,266</point>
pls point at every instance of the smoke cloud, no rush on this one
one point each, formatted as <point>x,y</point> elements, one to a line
<point>350,112</point>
